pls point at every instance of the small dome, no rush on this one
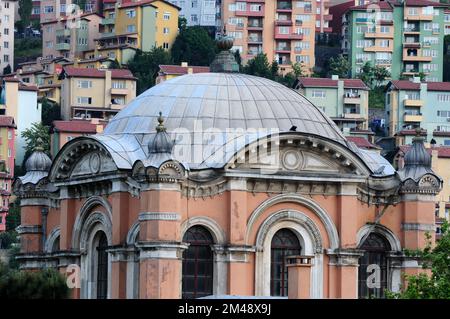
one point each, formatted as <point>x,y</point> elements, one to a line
<point>38,161</point>
<point>161,142</point>
<point>418,155</point>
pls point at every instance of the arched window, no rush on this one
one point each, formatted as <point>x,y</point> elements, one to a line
<point>197,263</point>
<point>284,243</point>
<point>373,267</point>
<point>102,266</point>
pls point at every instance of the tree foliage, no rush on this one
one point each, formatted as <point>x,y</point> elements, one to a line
<point>260,66</point>
<point>145,66</point>
<point>194,46</point>
<point>25,7</point>
<point>339,66</point>
<point>373,76</point>
<point>7,70</point>
<point>436,259</point>
<point>51,111</point>
<point>43,284</point>
<point>33,134</point>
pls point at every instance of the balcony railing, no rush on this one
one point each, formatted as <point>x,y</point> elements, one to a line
<point>383,61</point>
<point>411,29</point>
<point>255,25</point>
<point>284,6</point>
<point>62,46</point>
<point>283,48</point>
<point>254,39</point>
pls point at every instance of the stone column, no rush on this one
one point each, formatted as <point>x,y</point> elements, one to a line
<point>299,277</point>
<point>160,242</point>
<point>343,274</point>
<point>119,256</point>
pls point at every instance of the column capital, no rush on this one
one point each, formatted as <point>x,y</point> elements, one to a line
<point>344,257</point>
<point>233,253</point>
<point>161,249</point>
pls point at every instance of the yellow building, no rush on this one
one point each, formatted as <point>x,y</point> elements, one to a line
<point>140,25</point>
<point>95,93</point>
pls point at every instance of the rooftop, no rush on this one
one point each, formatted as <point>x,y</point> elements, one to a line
<point>410,85</point>
<point>7,121</point>
<point>325,82</point>
<point>76,126</point>
<point>98,73</point>
<point>179,70</point>
<point>443,151</point>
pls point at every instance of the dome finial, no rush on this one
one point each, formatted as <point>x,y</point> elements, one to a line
<point>39,147</point>
<point>160,127</point>
<point>224,60</point>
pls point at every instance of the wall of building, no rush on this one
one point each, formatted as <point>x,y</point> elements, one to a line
<point>29,112</point>
<point>7,34</point>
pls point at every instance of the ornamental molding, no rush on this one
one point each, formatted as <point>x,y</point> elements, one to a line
<point>427,184</point>
<point>168,216</point>
<point>418,226</point>
<point>29,229</point>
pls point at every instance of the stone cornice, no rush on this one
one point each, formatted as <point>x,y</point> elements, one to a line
<point>168,216</point>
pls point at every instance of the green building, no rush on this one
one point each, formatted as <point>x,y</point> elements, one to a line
<point>406,37</point>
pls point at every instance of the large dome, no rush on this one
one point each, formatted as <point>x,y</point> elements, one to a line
<point>222,101</point>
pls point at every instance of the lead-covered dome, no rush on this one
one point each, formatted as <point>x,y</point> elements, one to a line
<point>222,101</point>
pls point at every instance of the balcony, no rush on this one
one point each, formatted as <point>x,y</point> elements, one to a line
<point>284,6</point>
<point>108,21</point>
<point>377,34</point>
<point>352,99</point>
<point>417,17</point>
<point>253,52</point>
<point>410,72</point>
<point>412,117</point>
<point>415,56</point>
<point>115,91</point>
<point>283,49</point>
<point>284,22</point>
<point>412,30</point>
<point>249,13</point>
<point>62,46</point>
<point>383,61</point>
<point>351,115</point>
<point>411,102</point>
<point>107,35</point>
<point>377,48</point>
<point>254,39</point>
<point>63,33</point>
<point>327,17</point>
<point>255,25</point>
<point>414,45</point>
<point>289,35</point>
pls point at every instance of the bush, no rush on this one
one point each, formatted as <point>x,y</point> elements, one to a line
<point>43,284</point>
<point>7,238</point>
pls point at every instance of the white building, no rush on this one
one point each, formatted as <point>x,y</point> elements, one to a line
<point>7,12</point>
<point>199,12</point>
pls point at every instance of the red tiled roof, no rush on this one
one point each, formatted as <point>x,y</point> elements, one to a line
<point>178,69</point>
<point>95,73</point>
<point>145,2</point>
<point>23,87</point>
<point>383,5</point>
<point>361,142</point>
<point>76,126</point>
<point>325,82</point>
<point>11,79</point>
<point>82,16</point>
<point>424,3</point>
<point>7,121</point>
<point>431,86</point>
<point>443,151</point>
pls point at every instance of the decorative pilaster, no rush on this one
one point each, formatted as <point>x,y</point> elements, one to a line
<point>343,273</point>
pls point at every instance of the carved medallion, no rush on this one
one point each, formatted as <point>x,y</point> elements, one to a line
<point>292,159</point>
<point>94,163</point>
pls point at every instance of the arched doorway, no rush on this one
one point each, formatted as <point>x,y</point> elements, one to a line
<point>102,266</point>
<point>373,267</point>
<point>284,243</point>
<point>197,278</point>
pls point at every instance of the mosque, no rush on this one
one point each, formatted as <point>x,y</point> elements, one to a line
<point>222,183</point>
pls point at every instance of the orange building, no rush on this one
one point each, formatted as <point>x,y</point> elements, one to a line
<point>206,183</point>
<point>283,29</point>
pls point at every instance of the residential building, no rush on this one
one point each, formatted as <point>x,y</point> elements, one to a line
<point>19,101</point>
<point>7,153</point>
<point>405,37</point>
<point>345,101</point>
<point>243,210</point>
<point>411,105</point>
<point>205,13</point>
<point>7,13</point>
<point>323,16</point>
<point>135,25</point>
<point>95,93</point>
<point>447,22</point>
<point>65,38</point>
<point>36,10</point>
<point>65,131</point>
<point>282,29</point>
<point>440,162</point>
<point>167,72</point>
<point>55,9</point>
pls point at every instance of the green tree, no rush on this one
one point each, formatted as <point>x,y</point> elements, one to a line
<point>37,135</point>
<point>195,46</point>
<point>43,284</point>
<point>25,7</point>
<point>380,74</point>
<point>7,70</point>
<point>145,66</point>
<point>260,66</point>
<point>436,259</point>
<point>51,111</point>
<point>237,57</point>
<point>366,74</point>
<point>182,24</point>
<point>339,66</point>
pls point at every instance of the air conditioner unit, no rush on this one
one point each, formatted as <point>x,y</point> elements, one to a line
<point>448,119</point>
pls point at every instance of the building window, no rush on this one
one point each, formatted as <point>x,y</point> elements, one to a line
<point>48,9</point>
<point>131,28</point>
<point>118,85</point>
<point>84,100</point>
<point>102,267</point>
<point>284,243</point>
<point>6,31</point>
<point>375,247</point>
<point>36,10</point>
<point>7,5</point>
<point>194,18</point>
<point>131,13</point>
<point>10,135</point>
<point>318,93</point>
<point>84,84</point>
<point>6,58</point>
<point>6,44</point>
<point>197,271</point>
<point>166,30</point>
<point>9,152</point>
<point>166,16</point>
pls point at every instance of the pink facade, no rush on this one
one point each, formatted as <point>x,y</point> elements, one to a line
<point>7,153</point>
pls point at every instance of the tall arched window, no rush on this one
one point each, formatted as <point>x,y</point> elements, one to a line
<point>284,243</point>
<point>102,266</point>
<point>197,263</point>
<point>373,267</point>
